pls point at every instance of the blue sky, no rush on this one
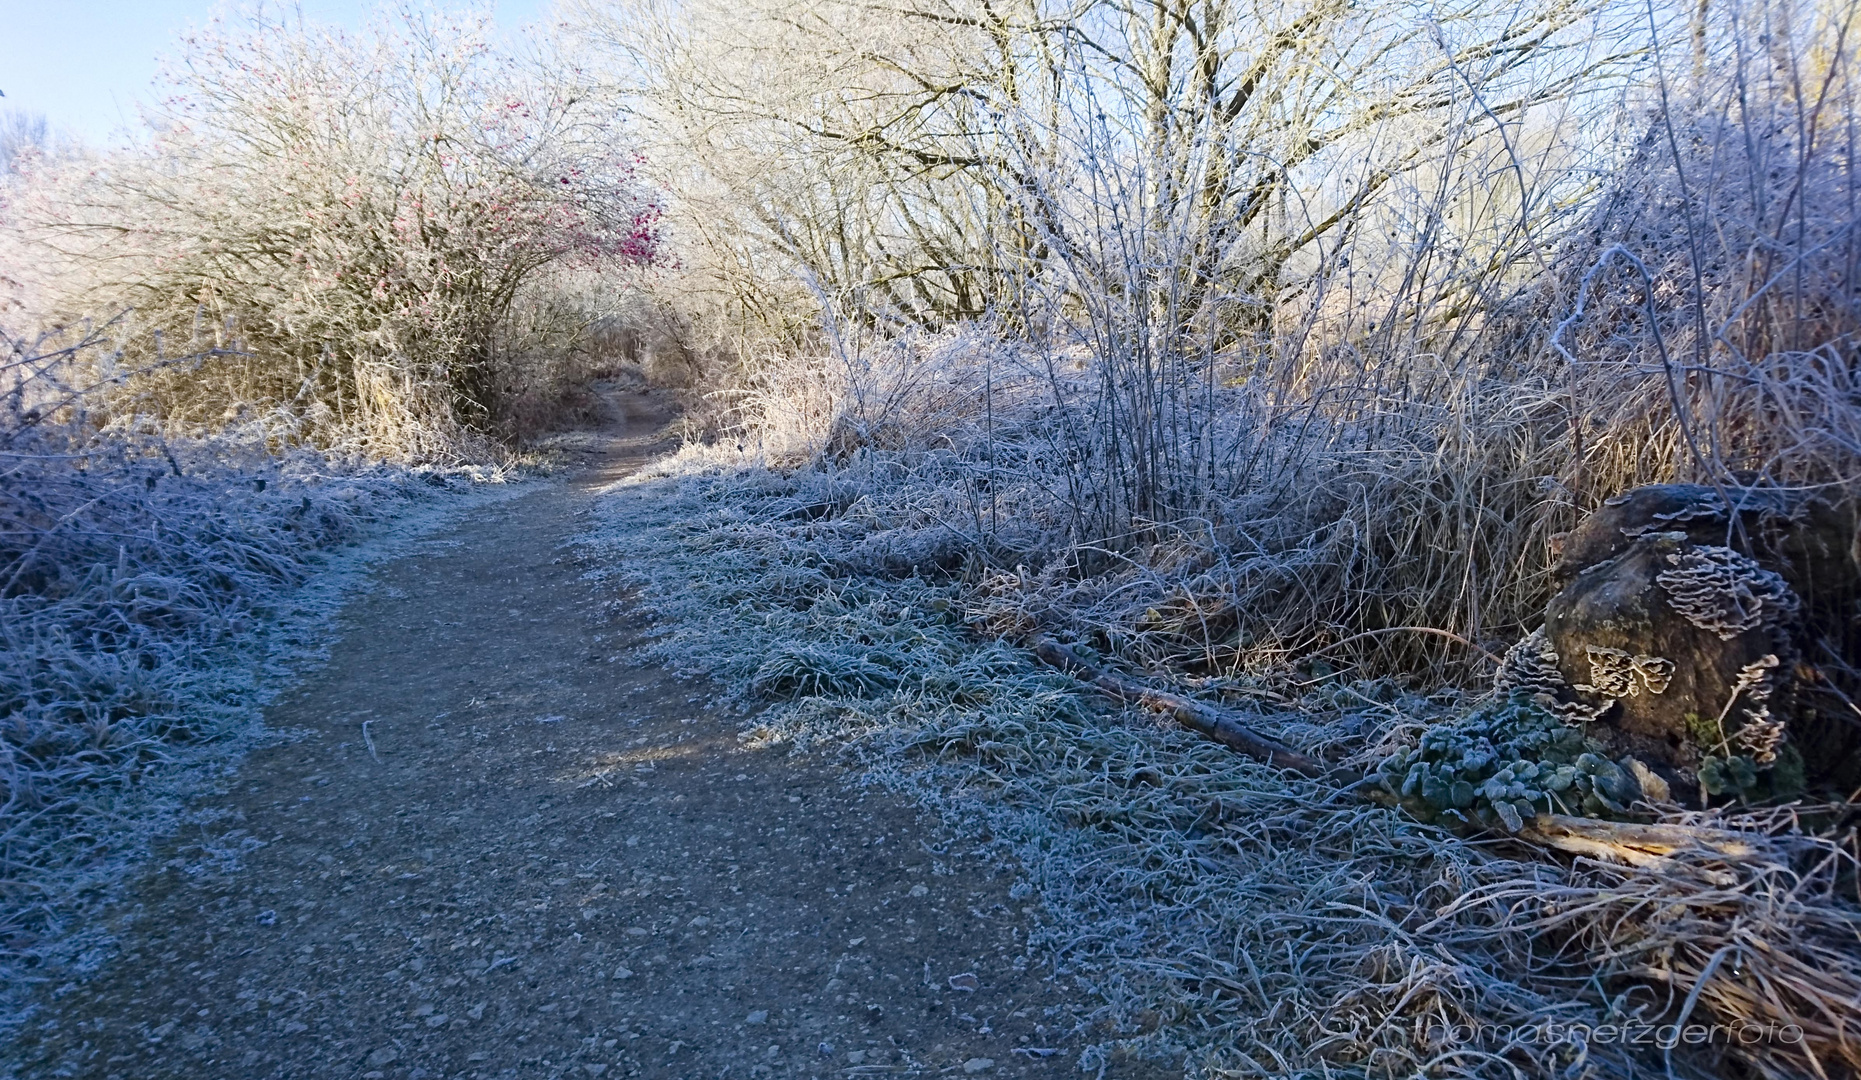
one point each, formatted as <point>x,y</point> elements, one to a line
<point>83,64</point>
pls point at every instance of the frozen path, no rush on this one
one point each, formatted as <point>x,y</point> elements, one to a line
<point>552,861</point>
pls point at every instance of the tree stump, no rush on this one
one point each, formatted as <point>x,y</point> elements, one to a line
<point>1711,636</point>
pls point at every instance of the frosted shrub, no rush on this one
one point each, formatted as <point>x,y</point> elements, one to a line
<point>358,216</point>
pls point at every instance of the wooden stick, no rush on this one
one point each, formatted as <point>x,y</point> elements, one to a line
<point>1651,847</point>
<point>1648,839</point>
<point>1204,719</point>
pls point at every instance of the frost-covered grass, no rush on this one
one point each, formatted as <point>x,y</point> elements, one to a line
<point>1235,919</point>
<point>153,595</point>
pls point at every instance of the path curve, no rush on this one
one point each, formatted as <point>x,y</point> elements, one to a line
<point>508,846</point>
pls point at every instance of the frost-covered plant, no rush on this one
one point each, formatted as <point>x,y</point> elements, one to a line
<point>805,669</point>
<point>359,215</point>
<point>1503,764</point>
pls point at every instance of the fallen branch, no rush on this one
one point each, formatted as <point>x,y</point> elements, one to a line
<point>1648,846</point>
<point>1206,720</point>
<point>1655,839</point>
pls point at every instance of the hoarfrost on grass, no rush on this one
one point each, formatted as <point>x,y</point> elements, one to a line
<point>1228,917</point>
<point>157,594</point>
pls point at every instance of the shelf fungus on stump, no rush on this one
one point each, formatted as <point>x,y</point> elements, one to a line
<point>1703,646</point>
<point>1704,635</point>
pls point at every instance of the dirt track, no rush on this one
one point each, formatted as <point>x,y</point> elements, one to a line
<point>508,846</point>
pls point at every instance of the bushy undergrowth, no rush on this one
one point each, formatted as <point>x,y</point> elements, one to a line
<point>152,593</point>
<point>1235,919</point>
<point>384,237</point>
<point>1249,345</point>
<point>1353,427</point>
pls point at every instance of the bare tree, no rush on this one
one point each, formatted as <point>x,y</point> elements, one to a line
<point>913,151</point>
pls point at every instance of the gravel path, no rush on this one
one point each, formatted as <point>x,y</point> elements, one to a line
<point>507,846</point>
